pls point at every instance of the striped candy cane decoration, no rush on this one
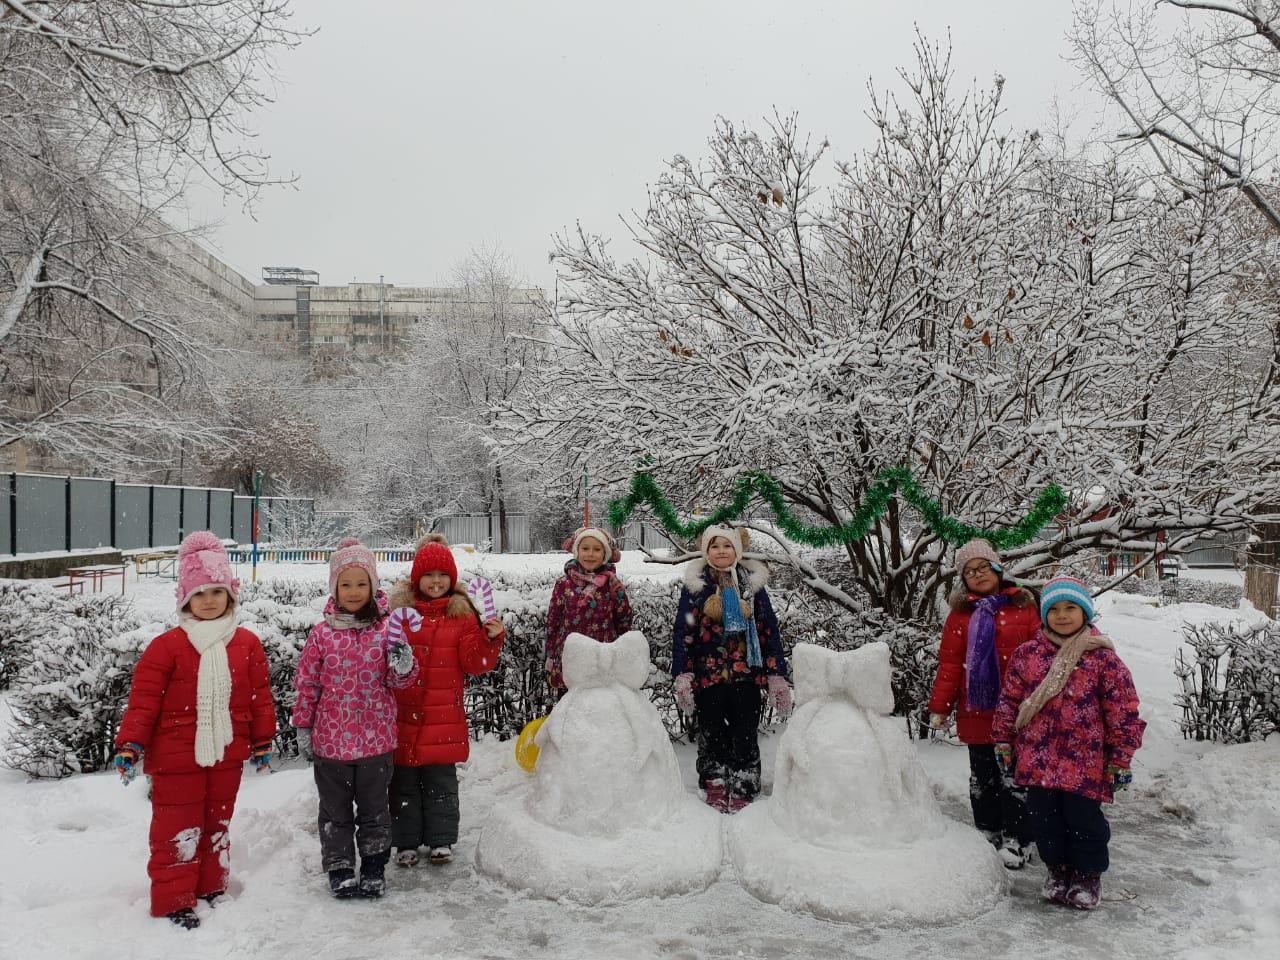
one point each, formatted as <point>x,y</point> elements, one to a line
<point>396,624</point>
<point>481,592</point>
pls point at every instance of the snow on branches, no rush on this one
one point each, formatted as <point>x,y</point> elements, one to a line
<point>964,301</point>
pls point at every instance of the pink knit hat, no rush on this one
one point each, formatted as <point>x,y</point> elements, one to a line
<point>202,562</point>
<point>976,550</point>
<point>352,553</point>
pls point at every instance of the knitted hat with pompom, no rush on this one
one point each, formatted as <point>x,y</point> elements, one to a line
<point>202,562</point>
<point>352,553</point>
<point>433,555</point>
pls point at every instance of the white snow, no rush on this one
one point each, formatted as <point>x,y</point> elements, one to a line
<point>852,818</point>
<point>606,817</point>
<point>1195,859</point>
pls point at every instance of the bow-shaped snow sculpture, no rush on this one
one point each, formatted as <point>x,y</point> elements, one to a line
<point>589,663</point>
<point>861,675</point>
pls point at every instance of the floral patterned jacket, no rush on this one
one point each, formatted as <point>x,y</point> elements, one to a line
<point>699,645</point>
<point>1093,722</point>
<point>595,604</point>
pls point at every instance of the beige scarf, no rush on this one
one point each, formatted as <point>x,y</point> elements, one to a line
<point>1070,649</point>
<point>213,684</point>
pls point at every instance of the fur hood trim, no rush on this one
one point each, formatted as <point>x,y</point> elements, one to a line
<point>962,602</point>
<point>460,604</point>
<point>757,576</point>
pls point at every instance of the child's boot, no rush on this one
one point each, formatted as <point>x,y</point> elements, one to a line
<point>343,883</point>
<point>1057,883</point>
<point>185,918</point>
<point>440,855</point>
<point>407,858</point>
<point>1086,891</point>
<point>1014,854</point>
<point>373,874</point>
<point>717,796</point>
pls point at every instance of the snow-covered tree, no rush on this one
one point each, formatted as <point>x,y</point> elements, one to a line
<point>1196,89</point>
<point>107,110</point>
<point>967,302</point>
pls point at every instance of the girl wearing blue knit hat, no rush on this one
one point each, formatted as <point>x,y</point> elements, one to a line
<point>1068,726</point>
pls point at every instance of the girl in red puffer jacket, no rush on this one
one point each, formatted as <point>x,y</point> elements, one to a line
<point>990,618</point>
<point>448,641</point>
<point>199,707</point>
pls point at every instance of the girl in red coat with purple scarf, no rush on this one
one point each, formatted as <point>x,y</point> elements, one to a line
<point>1068,727</point>
<point>199,707</point>
<point>990,618</point>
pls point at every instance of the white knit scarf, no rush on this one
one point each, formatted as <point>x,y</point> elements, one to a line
<point>213,684</point>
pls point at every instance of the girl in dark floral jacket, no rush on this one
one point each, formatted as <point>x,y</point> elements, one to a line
<point>1067,726</point>
<point>589,599</point>
<point>726,649</point>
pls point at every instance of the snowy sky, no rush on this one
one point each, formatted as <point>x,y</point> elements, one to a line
<point>419,130</point>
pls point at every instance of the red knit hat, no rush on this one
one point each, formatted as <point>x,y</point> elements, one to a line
<point>433,554</point>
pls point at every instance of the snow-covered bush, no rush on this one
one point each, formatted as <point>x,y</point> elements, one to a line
<point>70,691</point>
<point>292,593</point>
<point>1191,590</point>
<point>282,613</point>
<point>1231,686</point>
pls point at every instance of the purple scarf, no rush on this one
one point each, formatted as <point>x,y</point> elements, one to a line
<point>981,666</point>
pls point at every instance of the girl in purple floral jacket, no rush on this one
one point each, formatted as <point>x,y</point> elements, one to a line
<point>1067,726</point>
<point>589,599</point>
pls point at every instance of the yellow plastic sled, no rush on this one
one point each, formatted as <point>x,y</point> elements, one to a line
<point>526,750</point>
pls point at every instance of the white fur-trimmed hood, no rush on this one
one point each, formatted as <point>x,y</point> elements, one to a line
<point>757,576</point>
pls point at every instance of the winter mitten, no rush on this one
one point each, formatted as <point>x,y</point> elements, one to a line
<point>400,621</point>
<point>940,721</point>
<point>683,686</point>
<point>779,694</point>
<point>400,659</point>
<point>126,762</point>
<point>305,750</point>
<point>1120,777</point>
<point>1004,756</point>
<point>260,756</point>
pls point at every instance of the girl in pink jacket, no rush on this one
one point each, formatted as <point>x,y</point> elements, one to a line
<point>1067,727</point>
<point>345,717</point>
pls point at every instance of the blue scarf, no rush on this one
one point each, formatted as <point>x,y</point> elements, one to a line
<point>981,666</point>
<point>736,622</point>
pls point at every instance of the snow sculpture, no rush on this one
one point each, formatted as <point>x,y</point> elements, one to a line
<point>852,831</point>
<point>605,816</point>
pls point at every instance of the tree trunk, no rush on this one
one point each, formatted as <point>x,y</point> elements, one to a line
<point>504,531</point>
<point>1262,569</point>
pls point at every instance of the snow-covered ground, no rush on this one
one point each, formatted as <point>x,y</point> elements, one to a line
<point>1195,859</point>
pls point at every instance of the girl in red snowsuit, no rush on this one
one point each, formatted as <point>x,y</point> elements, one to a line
<point>199,706</point>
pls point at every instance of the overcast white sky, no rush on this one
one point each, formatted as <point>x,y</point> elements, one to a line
<point>422,128</point>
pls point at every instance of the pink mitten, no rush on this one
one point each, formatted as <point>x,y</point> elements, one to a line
<point>683,686</point>
<point>779,694</point>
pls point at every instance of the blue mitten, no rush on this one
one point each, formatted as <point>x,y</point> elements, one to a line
<point>126,762</point>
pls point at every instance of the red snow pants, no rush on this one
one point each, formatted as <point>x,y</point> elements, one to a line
<point>190,846</point>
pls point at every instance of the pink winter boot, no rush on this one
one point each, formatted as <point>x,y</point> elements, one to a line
<point>1057,883</point>
<point>717,796</point>
<point>1085,892</point>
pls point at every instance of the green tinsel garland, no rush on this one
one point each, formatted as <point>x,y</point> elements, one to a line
<point>644,489</point>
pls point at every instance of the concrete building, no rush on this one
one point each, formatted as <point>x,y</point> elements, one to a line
<point>355,321</point>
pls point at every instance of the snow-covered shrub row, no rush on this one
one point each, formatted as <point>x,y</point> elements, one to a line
<point>76,661</point>
<point>282,613</point>
<point>1231,684</point>
<point>1191,590</point>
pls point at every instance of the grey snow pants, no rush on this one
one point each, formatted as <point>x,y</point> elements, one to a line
<point>424,806</point>
<point>362,784</point>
